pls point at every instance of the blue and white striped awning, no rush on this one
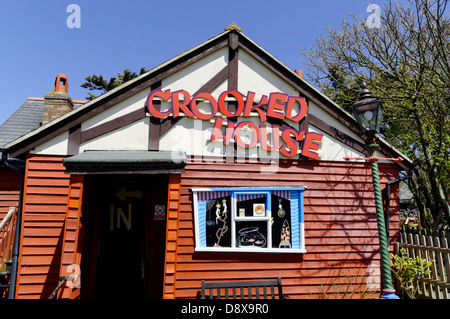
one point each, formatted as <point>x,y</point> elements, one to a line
<point>210,195</point>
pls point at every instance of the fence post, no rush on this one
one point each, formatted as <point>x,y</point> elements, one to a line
<point>426,285</point>
<point>418,252</point>
<point>447,265</point>
<point>441,269</point>
<point>434,275</point>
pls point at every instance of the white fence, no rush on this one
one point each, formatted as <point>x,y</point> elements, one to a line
<point>437,284</point>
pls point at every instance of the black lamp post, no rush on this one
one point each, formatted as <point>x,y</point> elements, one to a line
<point>368,112</point>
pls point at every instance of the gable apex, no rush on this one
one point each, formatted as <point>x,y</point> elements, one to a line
<point>233,26</point>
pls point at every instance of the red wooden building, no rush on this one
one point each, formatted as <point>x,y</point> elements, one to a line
<point>219,164</point>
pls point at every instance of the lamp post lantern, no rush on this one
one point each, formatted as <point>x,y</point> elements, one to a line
<point>368,112</point>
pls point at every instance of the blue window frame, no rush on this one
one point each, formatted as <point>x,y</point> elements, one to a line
<point>249,219</point>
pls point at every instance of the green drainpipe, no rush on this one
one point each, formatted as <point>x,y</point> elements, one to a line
<point>388,291</point>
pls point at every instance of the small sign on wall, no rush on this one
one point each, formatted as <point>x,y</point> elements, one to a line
<point>160,212</point>
<point>259,210</point>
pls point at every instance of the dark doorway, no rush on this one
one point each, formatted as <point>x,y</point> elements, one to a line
<point>124,244</point>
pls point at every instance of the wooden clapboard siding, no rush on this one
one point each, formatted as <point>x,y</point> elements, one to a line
<point>173,209</point>
<point>72,242</point>
<point>9,190</point>
<point>340,225</point>
<point>44,211</point>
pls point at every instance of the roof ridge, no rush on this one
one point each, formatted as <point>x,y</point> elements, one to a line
<point>31,98</point>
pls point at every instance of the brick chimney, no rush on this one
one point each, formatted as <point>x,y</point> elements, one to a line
<point>58,102</point>
<point>300,73</point>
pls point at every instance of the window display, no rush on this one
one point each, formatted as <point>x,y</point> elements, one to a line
<point>249,219</point>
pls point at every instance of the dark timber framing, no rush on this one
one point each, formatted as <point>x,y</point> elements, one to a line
<point>154,131</point>
<point>111,125</point>
<point>73,145</point>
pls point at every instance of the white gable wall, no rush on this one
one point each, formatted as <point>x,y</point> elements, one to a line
<point>132,137</point>
<point>194,76</point>
<point>54,146</point>
<point>255,77</point>
<point>129,105</point>
<point>192,135</point>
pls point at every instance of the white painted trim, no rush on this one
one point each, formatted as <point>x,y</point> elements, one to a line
<point>196,236</point>
<point>8,216</point>
<point>235,218</point>
<point>251,250</point>
<point>239,189</point>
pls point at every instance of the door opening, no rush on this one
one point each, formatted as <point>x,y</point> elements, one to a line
<point>124,244</point>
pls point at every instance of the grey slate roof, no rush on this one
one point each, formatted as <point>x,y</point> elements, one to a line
<point>25,119</point>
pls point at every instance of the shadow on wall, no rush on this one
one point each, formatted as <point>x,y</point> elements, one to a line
<point>340,218</point>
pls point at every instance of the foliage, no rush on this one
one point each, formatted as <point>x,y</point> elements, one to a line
<point>351,285</point>
<point>406,61</point>
<point>98,83</point>
<point>409,270</point>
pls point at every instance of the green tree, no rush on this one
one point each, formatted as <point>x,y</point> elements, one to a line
<point>98,83</point>
<point>406,61</point>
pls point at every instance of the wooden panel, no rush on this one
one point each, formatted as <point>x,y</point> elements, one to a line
<point>72,243</point>
<point>171,235</point>
<point>44,209</point>
<point>73,143</point>
<point>341,233</point>
<point>154,129</point>
<point>9,190</point>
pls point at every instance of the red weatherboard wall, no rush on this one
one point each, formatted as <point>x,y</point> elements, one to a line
<point>44,212</point>
<point>9,190</point>
<point>9,197</point>
<point>73,239</point>
<point>340,226</point>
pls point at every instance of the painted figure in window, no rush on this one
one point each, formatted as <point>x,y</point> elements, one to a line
<point>285,235</point>
<point>250,236</point>
<point>281,212</point>
<point>221,217</point>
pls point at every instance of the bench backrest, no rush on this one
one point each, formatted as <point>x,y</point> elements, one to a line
<point>263,289</point>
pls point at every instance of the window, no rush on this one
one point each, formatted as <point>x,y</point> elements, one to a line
<point>249,219</point>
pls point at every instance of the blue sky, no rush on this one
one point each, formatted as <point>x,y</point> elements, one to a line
<point>36,43</point>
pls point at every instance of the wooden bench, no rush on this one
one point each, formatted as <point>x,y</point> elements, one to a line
<point>243,289</point>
